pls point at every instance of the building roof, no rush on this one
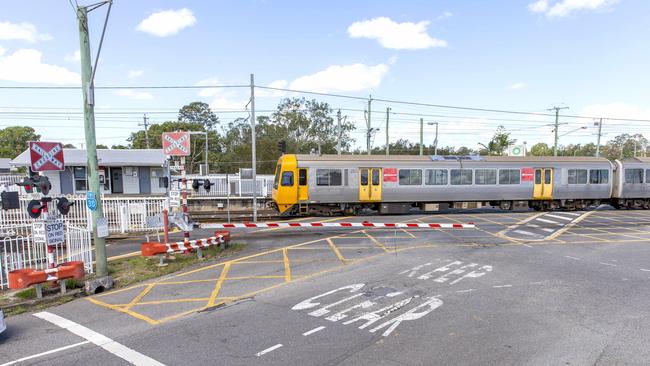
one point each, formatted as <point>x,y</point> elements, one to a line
<point>105,157</point>
<point>425,158</point>
<point>4,163</point>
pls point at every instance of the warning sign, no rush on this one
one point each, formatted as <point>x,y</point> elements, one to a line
<point>390,175</point>
<point>527,174</point>
<point>46,156</point>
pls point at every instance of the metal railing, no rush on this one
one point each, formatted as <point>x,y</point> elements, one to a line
<point>22,251</point>
<point>229,185</point>
<point>8,182</point>
<point>124,214</point>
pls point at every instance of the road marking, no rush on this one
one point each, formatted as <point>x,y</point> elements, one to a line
<point>500,286</point>
<point>336,250</point>
<point>468,290</point>
<point>287,266</point>
<point>572,213</point>
<point>548,230</point>
<point>559,217</point>
<point>645,270</point>
<point>524,232</point>
<point>100,340</point>
<point>607,264</point>
<point>570,257</point>
<point>310,332</point>
<point>548,221</point>
<point>270,349</point>
<point>44,353</point>
<point>526,245</point>
<point>218,284</point>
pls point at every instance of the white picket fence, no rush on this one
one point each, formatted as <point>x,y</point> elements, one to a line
<point>228,185</point>
<point>124,214</point>
<point>22,252</point>
<point>8,182</point>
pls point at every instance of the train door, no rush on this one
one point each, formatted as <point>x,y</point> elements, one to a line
<point>370,184</point>
<point>543,184</point>
<point>302,185</point>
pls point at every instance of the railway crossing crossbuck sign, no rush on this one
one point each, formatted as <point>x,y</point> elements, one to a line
<point>176,143</point>
<point>46,156</point>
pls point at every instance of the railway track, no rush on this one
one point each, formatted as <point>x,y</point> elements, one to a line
<point>243,215</point>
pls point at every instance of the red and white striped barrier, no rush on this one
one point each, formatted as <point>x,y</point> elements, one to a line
<point>398,225</point>
<point>154,248</point>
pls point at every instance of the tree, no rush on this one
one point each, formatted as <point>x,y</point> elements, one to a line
<point>69,146</point>
<point>541,149</point>
<point>198,112</point>
<point>102,146</point>
<point>624,145</point>
<point>119,147</point>
<point>499,142</point>
<point>14,140</point>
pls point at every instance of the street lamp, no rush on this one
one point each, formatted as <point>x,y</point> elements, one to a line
<point>577,129</point>
<point>435,142</point>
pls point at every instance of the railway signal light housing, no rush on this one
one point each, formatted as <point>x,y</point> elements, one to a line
<point>34,208</point>
<point>43,185</point>
<point>63,205</point>
<point>27,184</point>
<point>195,185</point>
<point>282,146</point>
<point>206,185</point>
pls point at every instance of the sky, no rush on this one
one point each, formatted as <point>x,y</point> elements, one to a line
<point>589,55</point>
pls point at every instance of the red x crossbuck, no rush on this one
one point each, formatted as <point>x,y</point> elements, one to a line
<point>46,156</point>
<point>176,143</point>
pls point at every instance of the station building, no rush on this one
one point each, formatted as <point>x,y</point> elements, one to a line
<point>5,167</point>
<point>142,172</point>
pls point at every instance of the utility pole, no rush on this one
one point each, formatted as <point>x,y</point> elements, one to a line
<point>146,129</point>
<point>87,86</point>
<point>338,131</point>
<point>368,123</point>
<point>600,130</point>
<point>253,147</point>
<point>557,125</point>
<point>387,142</point>
<point>421,136</point>
<point>435,142</point>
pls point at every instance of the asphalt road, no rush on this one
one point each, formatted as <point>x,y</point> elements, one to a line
<point>505,293</point>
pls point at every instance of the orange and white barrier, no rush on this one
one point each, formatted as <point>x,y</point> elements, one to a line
<point>365,224</point>
<point>153,248</point>
<point>22,278</point>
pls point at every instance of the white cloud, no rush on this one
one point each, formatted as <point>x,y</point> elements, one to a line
<point>21,31</point>
<point>565,7</point>
<point>222,98</point>
<point>445,15</point>
<point>517,86</point>
<point>167,22</point>
<point>2,51</point>
<point>393,35</point>
<point>282,84</point>
<point>616,110</point>
<point>74,57</point>
<point>346,78</point>
<point>25,66</point>
<point>209,92</point>
<point>225,103</point>
<point>137,95</point>
<point>132,74</point>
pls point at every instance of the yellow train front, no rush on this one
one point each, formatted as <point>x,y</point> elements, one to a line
<point>349,184</point>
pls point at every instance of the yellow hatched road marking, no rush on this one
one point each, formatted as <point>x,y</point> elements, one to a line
<point>217,286</point>
<point>336,251</point>
<point>287,266</point>
<point>140,296</point>
<point>376,242</point>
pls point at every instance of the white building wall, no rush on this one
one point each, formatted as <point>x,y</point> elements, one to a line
<point>156,174</point>
<point>55,179</point>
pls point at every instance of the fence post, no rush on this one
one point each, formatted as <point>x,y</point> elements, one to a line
<point>123,219</point>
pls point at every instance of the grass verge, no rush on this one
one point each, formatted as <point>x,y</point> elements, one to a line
<point>125,272</point>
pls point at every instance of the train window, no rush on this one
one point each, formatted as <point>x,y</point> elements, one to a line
<point>633,175</point>
<point>538,176</point>
<point>364,177</point>
<point>599,176</point>
<point>410,177</point>
<point>547,176</point>
<point>328,177</point>
<point>276,180</point>
<point>302,177</point>
<point>577,176</point>
<point>647,175</point>
<point>485,176</point>
<point>345,177</point>
<point>435,177</point>
<point>287,179</point>
<point>461,176</point>
<point>375,177</point>
<point>509,176</point>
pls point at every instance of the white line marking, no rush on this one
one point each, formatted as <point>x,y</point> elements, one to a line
<point>607,264</point>
<point>270,349</point>
<point>526,245</point>
<point>572,213</point>
<point>559,217</point>
<point>644,270</point>
<point>499,286</point>
<point>44,353</point>
<point>525,232</point>
<point>548,230</point>
<point>468,290</point>
<point>537,283</point>
<point>570,257</point>
<point>533,225</point>
<point>548,221</point>
<point>313,330</point>
<point>100,340</point>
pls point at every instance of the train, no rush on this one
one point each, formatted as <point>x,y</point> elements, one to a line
<point>396,184</point>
